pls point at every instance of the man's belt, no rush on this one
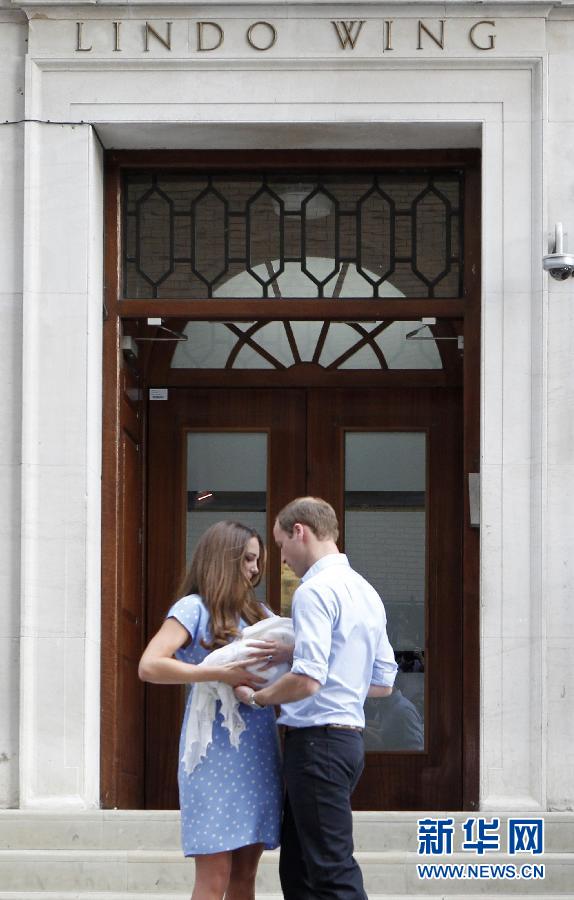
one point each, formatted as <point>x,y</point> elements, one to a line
<point>328,725</point>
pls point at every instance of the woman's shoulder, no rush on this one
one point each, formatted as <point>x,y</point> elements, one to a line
<point>189,602</point>
<point>190,611</point>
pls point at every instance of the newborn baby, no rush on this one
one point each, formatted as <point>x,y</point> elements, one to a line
<point>198,733</point>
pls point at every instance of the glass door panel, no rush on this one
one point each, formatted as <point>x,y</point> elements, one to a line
<point>385,540</point>
<point>226,479</point>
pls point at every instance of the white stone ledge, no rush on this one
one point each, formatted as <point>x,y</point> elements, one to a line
<point>540,7</point>
<point>12,15</point>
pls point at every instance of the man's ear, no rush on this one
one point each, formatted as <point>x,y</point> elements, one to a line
<point>299,531</point>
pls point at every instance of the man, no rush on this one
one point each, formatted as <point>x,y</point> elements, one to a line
<point>393,723</point>
<point>342,653</point>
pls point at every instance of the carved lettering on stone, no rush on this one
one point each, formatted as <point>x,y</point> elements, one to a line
<point>216,39</point>
<point>490,38</point>
<point>262,36</point>
<point>348,32</point>
<point>388,37</point>
<point>80,38</point>
<point>262,42</point>
<point>150,30</point>
<point>439,41</point>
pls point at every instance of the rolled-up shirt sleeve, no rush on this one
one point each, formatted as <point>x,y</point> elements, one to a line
<point>384,665</point>
<point>313,620</point>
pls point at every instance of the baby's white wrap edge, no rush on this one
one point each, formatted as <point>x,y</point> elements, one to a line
<point>200,721</point>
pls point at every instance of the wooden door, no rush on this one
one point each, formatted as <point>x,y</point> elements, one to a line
<point>389,460</point>
<point>264,423</point>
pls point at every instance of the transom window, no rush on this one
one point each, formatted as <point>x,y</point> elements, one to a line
<point>272,235</point>
<point>330,345</point>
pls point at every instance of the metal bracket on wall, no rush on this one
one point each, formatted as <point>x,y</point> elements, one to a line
<point>474,498</point>
<point>158,323</point>
<point>431,320</point>
<point>129,348</point>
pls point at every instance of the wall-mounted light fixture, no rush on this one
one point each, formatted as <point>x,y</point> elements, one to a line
<point>559,263</point>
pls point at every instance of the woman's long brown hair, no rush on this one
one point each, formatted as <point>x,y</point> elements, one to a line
<point>216,574</point>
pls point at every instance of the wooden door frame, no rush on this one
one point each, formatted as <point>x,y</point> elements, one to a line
<point>117,310</point>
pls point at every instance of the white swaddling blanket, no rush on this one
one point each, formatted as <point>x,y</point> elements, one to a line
<point>199,730</point>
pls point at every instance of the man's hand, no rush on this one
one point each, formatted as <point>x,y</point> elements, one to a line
<point>243,693</point>
<point>287,689</point>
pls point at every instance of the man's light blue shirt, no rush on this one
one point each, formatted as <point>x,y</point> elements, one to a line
<point>340,641</point>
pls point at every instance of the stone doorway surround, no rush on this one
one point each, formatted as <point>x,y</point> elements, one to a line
<point>148,100</point>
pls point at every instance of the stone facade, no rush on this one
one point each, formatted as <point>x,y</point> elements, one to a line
<point>505,85</point>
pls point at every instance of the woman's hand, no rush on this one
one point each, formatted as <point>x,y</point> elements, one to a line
<point>270,653</point>
<point>235,673</point>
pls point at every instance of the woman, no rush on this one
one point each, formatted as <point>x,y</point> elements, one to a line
<point>231,802</point>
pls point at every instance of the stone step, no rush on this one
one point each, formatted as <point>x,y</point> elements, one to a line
<point>135,855</point>
<point>98,895</point>
<point>159,830</point>
<point>392,873</point>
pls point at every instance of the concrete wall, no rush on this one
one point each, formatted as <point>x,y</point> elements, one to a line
<point>558,399</point>
<point>13,30</point>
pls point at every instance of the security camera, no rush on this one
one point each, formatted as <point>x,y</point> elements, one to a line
<point>558,266</point>
<point>559,263</point>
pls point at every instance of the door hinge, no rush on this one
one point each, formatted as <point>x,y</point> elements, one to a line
<point>474,499</point>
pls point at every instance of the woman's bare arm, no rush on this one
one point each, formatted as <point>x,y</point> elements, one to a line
<point>158,665</point>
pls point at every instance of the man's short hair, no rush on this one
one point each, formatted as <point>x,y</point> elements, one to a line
<point>317,514</point>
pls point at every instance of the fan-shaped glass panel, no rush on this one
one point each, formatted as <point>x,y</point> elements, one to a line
<point>330,345</point>
<point>363,358</point>
<point>401,353</point>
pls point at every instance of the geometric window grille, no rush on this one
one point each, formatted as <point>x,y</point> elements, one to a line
<point>273,235</point>
<point>283,344</point>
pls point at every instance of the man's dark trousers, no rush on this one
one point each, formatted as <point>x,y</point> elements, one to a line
<point>322,766</point>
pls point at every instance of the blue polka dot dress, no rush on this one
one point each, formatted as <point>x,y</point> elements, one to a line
<point>233,797</point>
